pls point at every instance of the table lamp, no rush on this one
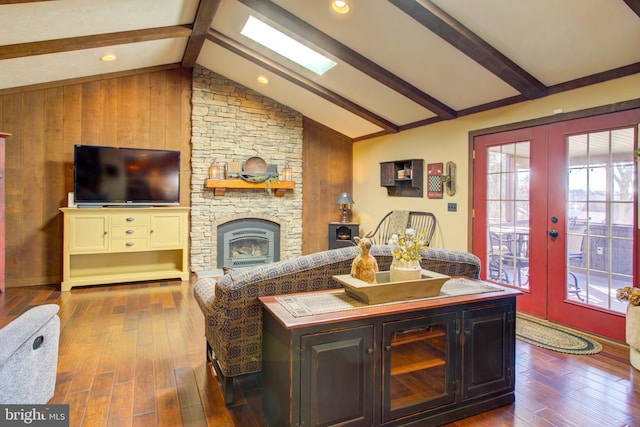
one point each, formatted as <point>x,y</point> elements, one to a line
<point>345,201</point>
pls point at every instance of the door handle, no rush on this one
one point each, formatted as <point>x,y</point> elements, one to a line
<point>553,233</point>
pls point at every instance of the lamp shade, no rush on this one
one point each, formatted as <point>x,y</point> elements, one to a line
<point>345,199</point>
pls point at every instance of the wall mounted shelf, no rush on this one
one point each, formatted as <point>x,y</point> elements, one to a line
<point>220,186</point>
<point>402,178</point>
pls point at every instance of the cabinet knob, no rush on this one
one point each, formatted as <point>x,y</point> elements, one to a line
<point>387,347</point>
<point>369,351</point>
<point>129,231</point>
<point>129,243</point>
<point>151,231</point>
<point>129,219</point>
<point>104,233</point>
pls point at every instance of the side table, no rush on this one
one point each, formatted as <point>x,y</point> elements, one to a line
<point>341,234</point>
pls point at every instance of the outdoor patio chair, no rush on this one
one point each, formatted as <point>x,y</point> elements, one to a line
<point>509,249</point>
<point>575,256</point>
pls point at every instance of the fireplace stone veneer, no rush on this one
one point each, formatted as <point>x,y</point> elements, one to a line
<point>231,123</point>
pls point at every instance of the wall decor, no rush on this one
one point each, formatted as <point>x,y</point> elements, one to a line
<point>434,177</point>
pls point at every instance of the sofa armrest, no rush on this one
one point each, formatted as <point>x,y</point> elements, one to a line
<point>452,262</point>
<point>204,293</point>
<point>29,356</point>
<point>21,329</point>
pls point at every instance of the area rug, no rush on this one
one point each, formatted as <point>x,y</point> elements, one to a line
<point>331,302</point>
<point>553,337</point>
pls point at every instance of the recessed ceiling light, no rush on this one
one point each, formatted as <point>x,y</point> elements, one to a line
<point>263,80</point>
<point>108,57</point>
<point>340,6</point>
<point>286,46</point>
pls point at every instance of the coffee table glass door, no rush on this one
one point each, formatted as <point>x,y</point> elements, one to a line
<point>418,368</point>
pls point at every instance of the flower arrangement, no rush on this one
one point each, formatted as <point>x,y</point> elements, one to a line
<point>407,246</point>
<point>629,294</point>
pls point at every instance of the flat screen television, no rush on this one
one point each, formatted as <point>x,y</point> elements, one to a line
<point>112,176</point>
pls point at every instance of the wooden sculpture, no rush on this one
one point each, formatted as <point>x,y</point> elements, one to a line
<point>364,266</point>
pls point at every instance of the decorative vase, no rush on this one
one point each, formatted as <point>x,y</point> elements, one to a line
<point>401,270</point>
<point>633,334</point>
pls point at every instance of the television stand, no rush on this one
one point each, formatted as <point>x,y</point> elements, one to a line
<point>103,246</point>
<point>133,206</point>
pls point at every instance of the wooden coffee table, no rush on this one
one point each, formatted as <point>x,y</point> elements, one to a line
<point>438,360</point>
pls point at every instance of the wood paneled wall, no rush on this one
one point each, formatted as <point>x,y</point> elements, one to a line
<point>327,165</point>
<point>150,110</point>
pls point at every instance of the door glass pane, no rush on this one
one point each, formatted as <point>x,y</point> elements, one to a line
<point>601,182</point>
<point>508,213</point>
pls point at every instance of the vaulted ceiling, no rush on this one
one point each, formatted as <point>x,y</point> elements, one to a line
<point>400,63</point>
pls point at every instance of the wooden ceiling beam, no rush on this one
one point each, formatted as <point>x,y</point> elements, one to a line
<point>453,32</point>
<point>93,78</point>
<point>20,50</point>
<point>206,11</point>
<point>634,5</point>
<point>316,37</point>
<point>309,85</point>
<point>20,1</point>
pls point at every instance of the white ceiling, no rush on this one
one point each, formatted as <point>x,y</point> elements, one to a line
<point>393,71</point>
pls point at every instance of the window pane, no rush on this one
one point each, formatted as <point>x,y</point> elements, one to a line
<point>622,214</point>
<point>493,186</point>
<point>600,216</point>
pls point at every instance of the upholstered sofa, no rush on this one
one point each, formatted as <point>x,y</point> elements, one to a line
<point>233,315</point>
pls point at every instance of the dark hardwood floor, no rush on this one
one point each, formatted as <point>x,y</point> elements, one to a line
<point>135,355</point>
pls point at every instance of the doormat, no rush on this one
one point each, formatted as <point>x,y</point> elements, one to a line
<point>554,337</point>
<point>330,302</point>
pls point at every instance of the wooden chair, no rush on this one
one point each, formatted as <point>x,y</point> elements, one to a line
<point>396,222</point>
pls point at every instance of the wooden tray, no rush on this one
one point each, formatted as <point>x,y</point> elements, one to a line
<point>428,285</point>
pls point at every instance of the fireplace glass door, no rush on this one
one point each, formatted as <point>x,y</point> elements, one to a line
<point>247,243</point>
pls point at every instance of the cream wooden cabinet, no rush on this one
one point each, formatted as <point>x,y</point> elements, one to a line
<point>114,245</point>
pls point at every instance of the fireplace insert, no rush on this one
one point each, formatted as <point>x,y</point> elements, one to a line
<point>247,243</point>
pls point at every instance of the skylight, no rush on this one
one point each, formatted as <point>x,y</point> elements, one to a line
<point>284,45</point>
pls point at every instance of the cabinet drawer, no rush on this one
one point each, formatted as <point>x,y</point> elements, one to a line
<point>132,232</point>
<point>133,219</point>
<point>129,244</point>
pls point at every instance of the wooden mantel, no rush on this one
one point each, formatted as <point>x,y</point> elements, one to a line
<point>220,186</point>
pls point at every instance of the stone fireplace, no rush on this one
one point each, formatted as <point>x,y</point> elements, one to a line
<point>247,242</point>
<point>231,123</point>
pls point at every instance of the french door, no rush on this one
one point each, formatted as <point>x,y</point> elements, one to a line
<point>556,216</point>
<point>509,199</point>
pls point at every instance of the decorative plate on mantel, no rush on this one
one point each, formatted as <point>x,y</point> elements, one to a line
<point>256,170</point>
<point>255,165</point>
